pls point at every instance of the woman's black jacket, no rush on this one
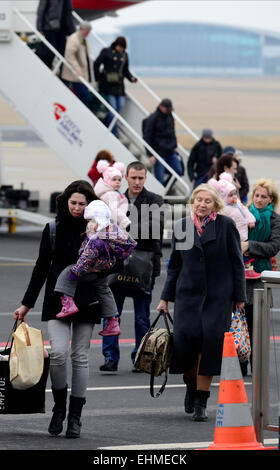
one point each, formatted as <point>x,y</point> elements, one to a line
<point>112,61</point>
<point>69,236</point>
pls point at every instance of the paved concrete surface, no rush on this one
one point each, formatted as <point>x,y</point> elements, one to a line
<point>119,413</point>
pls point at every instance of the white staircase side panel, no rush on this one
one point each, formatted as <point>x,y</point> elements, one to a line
<point>75,133</point>
<point>29,9</point>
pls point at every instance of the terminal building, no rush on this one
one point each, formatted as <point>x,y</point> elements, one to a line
<point>202,49</point>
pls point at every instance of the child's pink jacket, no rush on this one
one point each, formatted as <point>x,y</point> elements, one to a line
<point>241,216</point>
<point>116,201</point>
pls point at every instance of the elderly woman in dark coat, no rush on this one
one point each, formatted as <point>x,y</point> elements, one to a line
<point>264,241</point>
<point>206,280</point>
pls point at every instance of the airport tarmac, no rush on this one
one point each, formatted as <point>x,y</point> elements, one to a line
<point>119,414</point>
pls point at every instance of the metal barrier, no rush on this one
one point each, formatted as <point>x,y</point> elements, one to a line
<point>261,354</point>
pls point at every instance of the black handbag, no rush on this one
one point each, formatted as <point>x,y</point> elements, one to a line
<point>135,280</point>
<point>13,401</point>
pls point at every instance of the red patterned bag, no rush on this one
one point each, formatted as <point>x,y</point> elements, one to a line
<point>239,329</point>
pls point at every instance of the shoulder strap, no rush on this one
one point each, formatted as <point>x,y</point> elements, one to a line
<point>52,227</point>
<point>152,383</point>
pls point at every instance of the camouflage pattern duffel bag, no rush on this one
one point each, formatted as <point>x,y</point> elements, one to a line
<point>154,353</point>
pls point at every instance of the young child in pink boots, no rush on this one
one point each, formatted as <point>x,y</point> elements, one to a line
<point>241,215</point>
<point>104,244</point>
<point>107,189</point>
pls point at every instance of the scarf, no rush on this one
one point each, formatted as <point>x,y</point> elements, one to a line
<point>261,233</point>
<point>201,224</point>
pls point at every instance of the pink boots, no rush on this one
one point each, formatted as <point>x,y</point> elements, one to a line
<point>112,328</point>
<point>68,307</point>
<point>250,273</point>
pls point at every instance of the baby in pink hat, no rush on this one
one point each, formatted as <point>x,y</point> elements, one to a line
<point>241,215</point>
<point>107,189</point>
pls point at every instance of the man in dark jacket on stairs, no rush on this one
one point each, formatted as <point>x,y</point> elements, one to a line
<point>159,133</point>
<point>55,22</point>
<point>203,155</point>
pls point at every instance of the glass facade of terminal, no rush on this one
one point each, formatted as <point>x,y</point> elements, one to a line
<point>194,47</point>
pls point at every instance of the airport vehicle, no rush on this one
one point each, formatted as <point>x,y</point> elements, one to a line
<point>62,120</point>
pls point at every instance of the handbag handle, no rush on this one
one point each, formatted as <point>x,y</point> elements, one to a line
<point>26,334</point>
<point>10,335</point>
<point>157,395</point>
<point>162,313</point>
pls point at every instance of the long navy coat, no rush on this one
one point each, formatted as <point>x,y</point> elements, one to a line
<point>204,280</point>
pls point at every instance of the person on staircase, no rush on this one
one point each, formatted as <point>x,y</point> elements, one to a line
<point>110,79</point>
<point>78,56</point>
<point>159,132</point>
<point>55,22</point>
<point>203,156</point>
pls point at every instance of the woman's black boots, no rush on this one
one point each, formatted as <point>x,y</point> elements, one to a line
<point>190,394</point>
<point>74,415</point>
<point>200,403</point>
<point>59,411</point>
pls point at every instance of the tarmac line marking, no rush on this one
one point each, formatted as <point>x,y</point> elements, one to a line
<point>16,264</point>
<point>129,341</point>
<point>22,260</point>
<point>177,445</point>
<point>138,387</point>
<point>13,144</point>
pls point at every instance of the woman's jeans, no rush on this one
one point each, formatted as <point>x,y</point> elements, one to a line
<point>174,161</point>
<point>117,102</point>
<point>60,336</point>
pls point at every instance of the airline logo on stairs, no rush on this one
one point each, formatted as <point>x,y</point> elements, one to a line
<point>59,109</point>
<point>66,126</point>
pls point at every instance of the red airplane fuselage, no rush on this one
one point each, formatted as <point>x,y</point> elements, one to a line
<point>92,9</point>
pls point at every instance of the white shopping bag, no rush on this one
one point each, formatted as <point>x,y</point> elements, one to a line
<point>27,357</point>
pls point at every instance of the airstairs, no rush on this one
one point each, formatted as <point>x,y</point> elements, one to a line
<point>65,124</point>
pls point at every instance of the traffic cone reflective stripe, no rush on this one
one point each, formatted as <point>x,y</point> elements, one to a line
<point>234,425</point>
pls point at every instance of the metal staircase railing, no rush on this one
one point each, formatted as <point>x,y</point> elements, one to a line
<point>117,117</point>
<point>183,152</point>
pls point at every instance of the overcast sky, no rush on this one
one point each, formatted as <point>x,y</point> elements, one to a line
<point>246,13</point>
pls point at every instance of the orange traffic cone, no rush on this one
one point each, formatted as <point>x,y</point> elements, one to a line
<point>234,425</point>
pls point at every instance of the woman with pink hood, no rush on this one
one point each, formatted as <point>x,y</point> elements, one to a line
<point>107,189</point>
<point>241,215</point>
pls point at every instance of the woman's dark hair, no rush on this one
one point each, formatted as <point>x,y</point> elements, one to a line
<point>120,41</point>
<point>224,160</point>
<point>79,186</point>
<point>104,155</point>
